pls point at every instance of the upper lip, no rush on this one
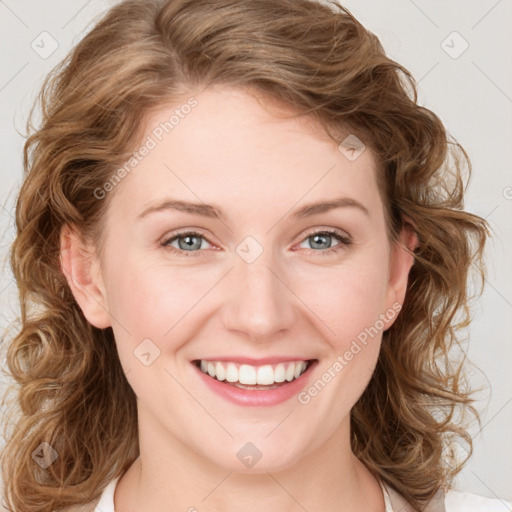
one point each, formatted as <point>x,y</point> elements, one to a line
<point>256,362</point>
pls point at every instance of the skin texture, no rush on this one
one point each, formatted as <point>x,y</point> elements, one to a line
<point>294,299</point>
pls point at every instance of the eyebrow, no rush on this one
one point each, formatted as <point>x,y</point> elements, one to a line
<point>206,210</point>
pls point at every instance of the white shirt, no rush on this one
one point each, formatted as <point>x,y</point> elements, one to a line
<point>455,501</point>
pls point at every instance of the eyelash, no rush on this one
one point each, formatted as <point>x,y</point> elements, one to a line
<point>344,240</point>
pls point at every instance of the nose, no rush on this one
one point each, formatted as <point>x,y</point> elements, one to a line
<point>257,300</point>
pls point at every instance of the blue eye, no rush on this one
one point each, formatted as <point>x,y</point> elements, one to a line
<point>318,237</point>
<point>189,242</point>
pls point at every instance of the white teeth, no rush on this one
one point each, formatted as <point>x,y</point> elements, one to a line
<point>265,375</point>
<point>290,373</point>
<point>247,374</point>
<point>220,372</point>
<point>280,373</point>
<point>231,373</point>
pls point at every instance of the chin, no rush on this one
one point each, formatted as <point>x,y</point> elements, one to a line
<point>255,457</point>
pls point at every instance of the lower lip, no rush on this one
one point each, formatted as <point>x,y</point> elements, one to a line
<point>254,397</point>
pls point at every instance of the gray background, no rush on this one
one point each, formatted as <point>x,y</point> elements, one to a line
<point>469,88</point>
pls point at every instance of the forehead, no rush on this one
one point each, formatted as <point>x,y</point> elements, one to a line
<point>233,148</point>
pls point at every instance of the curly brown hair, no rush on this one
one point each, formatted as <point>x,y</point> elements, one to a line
<point>71,391</point>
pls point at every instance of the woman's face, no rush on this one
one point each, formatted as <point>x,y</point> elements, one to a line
<point>261,282</point>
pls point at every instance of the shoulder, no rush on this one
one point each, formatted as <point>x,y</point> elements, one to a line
<point>456,501</point>
<point>448,501</point>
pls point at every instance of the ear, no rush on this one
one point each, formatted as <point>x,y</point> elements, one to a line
<point>401,261</point>
<point>81,268</point>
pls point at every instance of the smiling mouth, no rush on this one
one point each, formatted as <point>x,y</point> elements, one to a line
<point>244,376</point>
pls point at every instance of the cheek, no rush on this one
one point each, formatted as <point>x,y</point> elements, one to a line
<point>348,299</point>
<point>350,305</point>
<point>150,302</point>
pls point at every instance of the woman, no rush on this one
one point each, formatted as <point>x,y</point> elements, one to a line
<point>247,245</point>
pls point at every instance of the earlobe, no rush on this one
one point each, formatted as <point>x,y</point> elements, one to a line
<point>81,269</point>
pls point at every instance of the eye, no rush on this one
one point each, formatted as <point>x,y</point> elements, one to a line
<point>188,242</point>
<point>321,239</point>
